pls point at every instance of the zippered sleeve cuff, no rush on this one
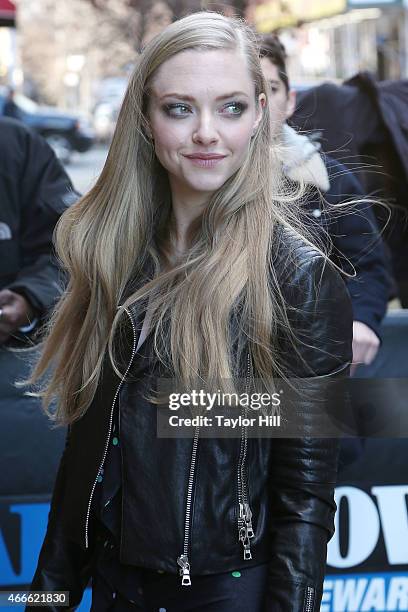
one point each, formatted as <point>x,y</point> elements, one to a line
<point>288,596</point>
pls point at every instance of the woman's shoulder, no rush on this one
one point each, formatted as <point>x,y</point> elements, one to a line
<point>306,277</point>
<point>291,253</point>
<point>317,303</point>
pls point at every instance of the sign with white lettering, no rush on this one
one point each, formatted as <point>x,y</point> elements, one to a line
<point>365,592</point>
<point>379,516</point>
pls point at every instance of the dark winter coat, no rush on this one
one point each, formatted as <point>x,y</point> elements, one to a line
<point>357,245</point>
<point>351,232</point>
<point>34,191</point>
<point>363,124</point>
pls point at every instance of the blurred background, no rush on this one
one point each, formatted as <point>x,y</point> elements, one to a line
<point>69,61</point>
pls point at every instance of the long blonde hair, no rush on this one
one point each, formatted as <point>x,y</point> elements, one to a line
<point>105,239</point>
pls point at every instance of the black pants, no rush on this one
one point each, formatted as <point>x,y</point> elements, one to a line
<point>239,591</point>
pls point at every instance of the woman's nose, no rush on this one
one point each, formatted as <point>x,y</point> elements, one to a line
<point>205,131</point>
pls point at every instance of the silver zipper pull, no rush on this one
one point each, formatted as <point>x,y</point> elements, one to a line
<point>185,570</point>
<point>242,533</point>
<point>246,544</point>
<point>248,521</point>
<point>243,537</point>
<point>250,530</point>
<point>241,521</point>
<point>245,531</point>
<point>247,552</point>
<point>245,516</point>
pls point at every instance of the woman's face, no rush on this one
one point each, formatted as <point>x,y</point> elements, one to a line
<point>202,112</point>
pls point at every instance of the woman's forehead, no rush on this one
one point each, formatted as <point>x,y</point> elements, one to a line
<point>215,71</point>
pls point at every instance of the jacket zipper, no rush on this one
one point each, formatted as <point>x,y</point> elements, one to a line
<point>110,426</point>
<point>183,560</point>
<point>309,600</point>
<point>245,529</point>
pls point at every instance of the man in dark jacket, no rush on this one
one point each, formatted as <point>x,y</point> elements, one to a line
<point>34,191</point>
<point>369,130</point>
<point>356,241</point>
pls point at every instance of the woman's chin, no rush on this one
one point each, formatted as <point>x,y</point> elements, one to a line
<point>207,185</point>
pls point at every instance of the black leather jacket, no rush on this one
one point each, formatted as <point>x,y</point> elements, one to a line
<point>289,481</point>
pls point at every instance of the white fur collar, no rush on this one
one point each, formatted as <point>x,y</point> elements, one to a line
<point>301,159</point>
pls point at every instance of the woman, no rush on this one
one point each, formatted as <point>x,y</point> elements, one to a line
<point>186,259</point>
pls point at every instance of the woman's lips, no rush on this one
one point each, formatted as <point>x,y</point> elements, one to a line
<point>205,161</point>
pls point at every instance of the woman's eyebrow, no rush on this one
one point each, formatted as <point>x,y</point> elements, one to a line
<point>191,99</point>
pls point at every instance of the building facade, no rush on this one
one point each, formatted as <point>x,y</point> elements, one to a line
<point>334,39</point>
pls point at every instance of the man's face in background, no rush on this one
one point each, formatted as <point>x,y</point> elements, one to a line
<point>281,101</point>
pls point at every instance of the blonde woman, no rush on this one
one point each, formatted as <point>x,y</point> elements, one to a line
<point>185,260</point>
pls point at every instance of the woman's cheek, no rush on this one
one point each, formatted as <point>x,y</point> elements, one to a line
<point>169,128</point>
<point>240,136</point>
<point>169,141</point>
<point>167,152</point>
<point>240,145</point>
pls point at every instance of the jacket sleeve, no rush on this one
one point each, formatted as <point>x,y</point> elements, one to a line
<point>46,191</point>
<point>62,564</point>
<point>304,470</point>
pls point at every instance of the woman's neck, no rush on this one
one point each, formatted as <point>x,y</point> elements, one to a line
<point>188,206</point>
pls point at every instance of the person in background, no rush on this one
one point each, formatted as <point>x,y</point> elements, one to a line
<point>355,239</point>
<point>34,191</point>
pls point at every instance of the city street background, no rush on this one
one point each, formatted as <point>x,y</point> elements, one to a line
<point>84,168</point>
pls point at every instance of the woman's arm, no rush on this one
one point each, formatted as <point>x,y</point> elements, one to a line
<point>304,470</point>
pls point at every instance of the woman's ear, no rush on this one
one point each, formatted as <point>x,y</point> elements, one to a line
<point>260,109</point>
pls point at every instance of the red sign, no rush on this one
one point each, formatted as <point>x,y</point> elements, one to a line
<point>7,10</point>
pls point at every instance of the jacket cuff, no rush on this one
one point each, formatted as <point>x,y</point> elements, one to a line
<point>287,596</point>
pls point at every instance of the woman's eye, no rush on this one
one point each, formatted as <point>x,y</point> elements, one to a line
<point>234,108</point>
<point>176,110</point>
